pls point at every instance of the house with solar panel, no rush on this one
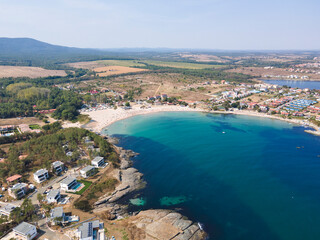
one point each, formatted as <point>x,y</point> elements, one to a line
<point>93,230</point>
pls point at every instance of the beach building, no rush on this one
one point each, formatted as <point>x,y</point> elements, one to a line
<point>91,230</point>
<point>18,190</point>
<point>88,171</point>
<point>25,231</point>
<point>57,167</point>
<point>98,162</point>
<point>69,183</point>
<point>53,196</point>
<point>41,175</point>
<point>7,209</point>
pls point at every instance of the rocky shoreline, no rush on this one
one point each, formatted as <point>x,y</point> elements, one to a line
<point>156,223</point>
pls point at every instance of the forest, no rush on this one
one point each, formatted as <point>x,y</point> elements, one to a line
<point>22,99</point>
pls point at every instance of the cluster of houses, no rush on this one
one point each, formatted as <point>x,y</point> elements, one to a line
<point>88,230</point>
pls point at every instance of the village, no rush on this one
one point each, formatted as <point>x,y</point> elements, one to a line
<point>53,191</point>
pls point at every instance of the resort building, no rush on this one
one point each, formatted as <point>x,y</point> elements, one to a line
<point>98,162</point>
<point>41,175</point>
<point>88,171</point>
<point>68,183</point>
<point>53,196</point>
<point>7,209</point>
<point>25,231</point>
<point>18,190</point>
<point>57,167</point>
<point>91,230</point>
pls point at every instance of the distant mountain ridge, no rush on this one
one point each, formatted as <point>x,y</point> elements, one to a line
<point>27,46</point>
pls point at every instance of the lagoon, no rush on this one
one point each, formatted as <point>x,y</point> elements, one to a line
<point>242,177</point>
<point>295,84</point>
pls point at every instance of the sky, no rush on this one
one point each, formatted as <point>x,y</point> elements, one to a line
<point>199,24</point>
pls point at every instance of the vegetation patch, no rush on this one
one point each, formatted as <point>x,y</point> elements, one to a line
<point>87,184</point>
<point>34,126</point>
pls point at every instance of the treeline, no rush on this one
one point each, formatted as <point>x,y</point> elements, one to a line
<point>23,98</point>
<point>216,74</point>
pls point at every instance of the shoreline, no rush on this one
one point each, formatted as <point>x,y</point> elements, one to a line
<point>101,119</point>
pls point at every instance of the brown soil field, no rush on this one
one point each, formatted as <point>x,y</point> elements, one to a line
<point>116,70</point>
<point>31,72</point>
<point>172,84</point>
<point>260,72</point>
<point>17,121</point>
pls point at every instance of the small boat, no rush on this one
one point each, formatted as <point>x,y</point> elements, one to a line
<point>223,132</point>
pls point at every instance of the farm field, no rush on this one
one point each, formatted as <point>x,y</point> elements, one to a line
<point>116,70</point>
<point>105,63</point>
<point>31,72</point>
<point>140,63</point>
<point>182,64</point>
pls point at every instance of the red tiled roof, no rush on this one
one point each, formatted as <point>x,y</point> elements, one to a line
<point>14,178</point>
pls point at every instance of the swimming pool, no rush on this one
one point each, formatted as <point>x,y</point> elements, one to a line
<point>76,186</point>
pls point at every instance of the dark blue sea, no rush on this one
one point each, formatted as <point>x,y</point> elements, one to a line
<point>243,177</point>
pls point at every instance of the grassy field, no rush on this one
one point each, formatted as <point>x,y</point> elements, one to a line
<point>105,63</point>
<point>140,64</point>
<point>87,184</point>
<point>34,126</point>
<point>116,70</point>
<point>182,65</point>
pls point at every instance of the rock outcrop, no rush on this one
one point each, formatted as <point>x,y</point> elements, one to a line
<point>130,179</point>
<point>167,225</point>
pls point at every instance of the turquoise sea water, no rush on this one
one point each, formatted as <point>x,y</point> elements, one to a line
<point>242,177</point>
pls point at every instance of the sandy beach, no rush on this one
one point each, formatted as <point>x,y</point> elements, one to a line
<point>103,118</point>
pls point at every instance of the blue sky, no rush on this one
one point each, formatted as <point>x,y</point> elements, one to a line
<point>211,24</point>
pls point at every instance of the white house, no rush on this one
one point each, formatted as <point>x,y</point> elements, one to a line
<point>41,175</point>
<point>57,167</point>
<point>53,196</point>
<point>7,209</point>
<point>88,171</point>
<point>98,162</point>
<point>18,190</point>
<point>88,229</point>
<point>25,231</point>
<point>57,215</point>
<point>68,183</point>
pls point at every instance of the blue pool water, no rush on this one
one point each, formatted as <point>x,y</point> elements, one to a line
<point>242,177</point>
<point>76,186</point>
